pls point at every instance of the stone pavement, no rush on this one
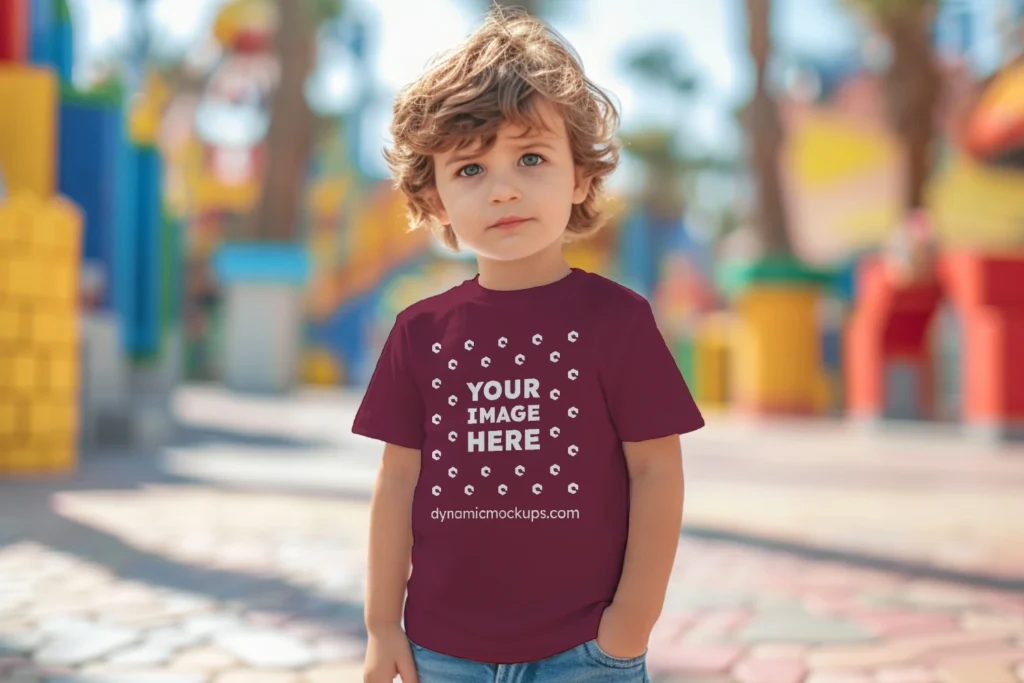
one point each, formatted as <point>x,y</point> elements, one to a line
<point>237,556</point>
<point>184,583</point>
<point>923,497</point>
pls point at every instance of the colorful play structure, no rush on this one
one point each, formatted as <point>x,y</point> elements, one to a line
<point>116,208</point>
<point>354,243</point>
<point>892,336</point>
<point>941,345</point>
<point>831,332</point>
<point>88,264</point>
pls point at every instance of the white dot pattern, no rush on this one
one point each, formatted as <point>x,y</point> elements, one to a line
<point>554,394</point>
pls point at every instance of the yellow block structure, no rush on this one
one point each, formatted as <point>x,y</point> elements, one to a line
<point>776,350</point>
<point>711,361</point>
<point>39,254</point>
<point>29,102</point>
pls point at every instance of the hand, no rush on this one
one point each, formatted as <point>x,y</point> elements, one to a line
<point>618,635</point>
<point>388,655</point>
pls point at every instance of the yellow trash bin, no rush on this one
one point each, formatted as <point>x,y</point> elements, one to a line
<point>777,361</point>
<point>777,349</point>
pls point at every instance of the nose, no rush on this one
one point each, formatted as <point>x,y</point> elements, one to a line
<point>503,191</point>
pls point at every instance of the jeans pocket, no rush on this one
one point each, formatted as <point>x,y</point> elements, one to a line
<point>595,652</point>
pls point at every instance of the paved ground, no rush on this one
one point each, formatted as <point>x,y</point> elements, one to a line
<point>920,496</point>
<point>236,556</point>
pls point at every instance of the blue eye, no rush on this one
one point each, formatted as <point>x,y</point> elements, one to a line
<point>539,159</point>
<point>464,171</point>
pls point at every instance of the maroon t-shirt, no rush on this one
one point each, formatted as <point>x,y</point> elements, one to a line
<point>519,402</point>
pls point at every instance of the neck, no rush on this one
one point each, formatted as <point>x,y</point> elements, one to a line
<point>542,268</point>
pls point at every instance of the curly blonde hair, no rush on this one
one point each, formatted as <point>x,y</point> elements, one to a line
<point>493,78</point>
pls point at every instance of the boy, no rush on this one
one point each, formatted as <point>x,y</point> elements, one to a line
<point>531,415</point>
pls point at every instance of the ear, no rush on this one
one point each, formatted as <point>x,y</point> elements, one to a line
<point>581,188</point>
<point>436,206</point>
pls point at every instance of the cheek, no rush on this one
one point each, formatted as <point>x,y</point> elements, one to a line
<point>452,196</point>
<point>563,178</point>
<point>557,190</point>
<point>463,203</point>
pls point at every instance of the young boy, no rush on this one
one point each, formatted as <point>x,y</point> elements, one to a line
<point>532,470</point>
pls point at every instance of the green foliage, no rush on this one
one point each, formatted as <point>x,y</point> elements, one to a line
<point>660,147</point>
<point>892,9</point>
<point>105,94</point>
<point>63,12</point>
<point>654,146</point>
<point>661,64</point>
<point>325,10</point>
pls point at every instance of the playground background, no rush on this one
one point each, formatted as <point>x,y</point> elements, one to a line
<point>201,255</point>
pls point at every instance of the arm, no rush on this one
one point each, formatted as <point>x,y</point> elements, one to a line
<point>387,649</point>
<point>655,517</point>
<point>390,538</point>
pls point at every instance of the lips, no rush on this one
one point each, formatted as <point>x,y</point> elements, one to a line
<point>509,222</point>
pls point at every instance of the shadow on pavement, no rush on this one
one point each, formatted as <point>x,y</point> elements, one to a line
<point>190,435</point>
<point>29,513</point>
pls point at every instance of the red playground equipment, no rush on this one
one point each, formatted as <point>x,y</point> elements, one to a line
<point>889,342</point>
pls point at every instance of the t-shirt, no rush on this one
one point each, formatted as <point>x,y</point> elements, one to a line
<point>519,402</point>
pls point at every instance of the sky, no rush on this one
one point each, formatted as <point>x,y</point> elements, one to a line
<point>409,32</point>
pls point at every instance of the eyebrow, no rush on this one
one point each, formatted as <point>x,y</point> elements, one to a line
<point>466,156</point>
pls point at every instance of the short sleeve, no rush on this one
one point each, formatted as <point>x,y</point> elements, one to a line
<point>646,394</point>
<point>392,407</point>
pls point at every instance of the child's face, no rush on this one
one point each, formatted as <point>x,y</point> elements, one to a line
<point>530,177</point>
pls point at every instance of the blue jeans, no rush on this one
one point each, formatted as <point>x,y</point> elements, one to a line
<point>584,663</point>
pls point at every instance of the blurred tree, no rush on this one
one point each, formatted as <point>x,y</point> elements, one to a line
<point>658,149</point>
<point>662,192</point>
<point>765,138</point>
<point>325,10</point>
<point>661,65</point>
<point>290,138</point>
<point>913,83</point>
<point>669,171</point>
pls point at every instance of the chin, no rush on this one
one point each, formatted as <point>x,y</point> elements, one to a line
<point>512,250</point>
<point>515,247</point>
